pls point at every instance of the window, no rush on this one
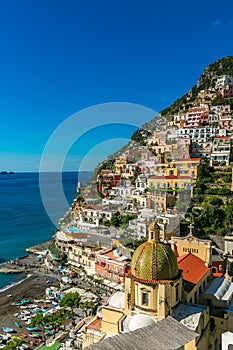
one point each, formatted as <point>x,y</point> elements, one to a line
<point>144,298</point>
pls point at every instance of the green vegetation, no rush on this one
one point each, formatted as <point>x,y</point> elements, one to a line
<point>118,220</point>
<point>219,101</point>
<point>71,300</point>
<point>140,136</point>
<point>206,80</point>
<point>88,305</point>
<point>55,251</point>
<point>106,165</point>
<point>212,206</point>
<point>133,245</point>
<point>13,344</point>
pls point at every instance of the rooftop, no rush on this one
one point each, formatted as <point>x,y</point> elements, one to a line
<point>188,315</point>
<point>167,334</point>
<point>194,269</point>
<point>221,289</point>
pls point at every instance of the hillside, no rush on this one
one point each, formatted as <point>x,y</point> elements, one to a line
<point>206,81</point>
<point>211,208</point>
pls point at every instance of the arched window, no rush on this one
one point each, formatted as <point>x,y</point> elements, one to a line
<point>145,298</point>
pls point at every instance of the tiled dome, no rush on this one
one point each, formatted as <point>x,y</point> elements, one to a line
<point>153,261</point>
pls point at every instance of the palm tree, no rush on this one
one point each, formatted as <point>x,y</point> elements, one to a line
<point>40,321</point>
<point>71,300</point>
<point>88,305</point>
<point>56,321</point>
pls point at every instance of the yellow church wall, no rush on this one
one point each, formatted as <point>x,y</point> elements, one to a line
<point>151,306</point>
<point>176,290</point>
<point>193,296</point>
<point>199,248</point>
<point>129,296</point>
<point>110,320</point>
<point>219,326</point>
<point>190,346</point>
<point>91,338</point>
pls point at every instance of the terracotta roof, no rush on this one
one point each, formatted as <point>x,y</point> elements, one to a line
<point>193,268</point>
<point>94,207</point>
<point>83,322</point>
<point>186,160</point>
<point>217,274</point>
<point>169,177</point>
<point>95,325</point>
<point>113,257</point>
<point>222,137</point>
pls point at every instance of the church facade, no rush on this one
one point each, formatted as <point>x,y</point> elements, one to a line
<point>163,283</point>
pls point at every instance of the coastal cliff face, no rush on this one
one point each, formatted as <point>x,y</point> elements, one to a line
<point>212,187</point>
<point>206,81</point>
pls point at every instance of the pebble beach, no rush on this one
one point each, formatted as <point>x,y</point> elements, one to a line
<point>32,287</point>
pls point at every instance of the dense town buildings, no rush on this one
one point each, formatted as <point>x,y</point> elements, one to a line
<point>170,275</point>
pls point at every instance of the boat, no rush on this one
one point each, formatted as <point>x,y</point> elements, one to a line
<point>49,327</point>
<point>16,303</point>
<point>49,332</point>
<point>23,335</point>
<point>7,329</point>
<point>34,334</point>
<point>17,324</point>
<point>25,301</point>
<point>32,328</point>
<point>25,312</point>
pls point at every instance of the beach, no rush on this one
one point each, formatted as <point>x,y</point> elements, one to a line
<point>32,287</point>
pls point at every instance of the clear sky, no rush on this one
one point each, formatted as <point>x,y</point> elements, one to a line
<point>58,57</point>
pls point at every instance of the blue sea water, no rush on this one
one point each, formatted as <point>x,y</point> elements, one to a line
<point>24,221</point>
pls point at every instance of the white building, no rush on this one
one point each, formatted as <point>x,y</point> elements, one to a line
<point>223,81</point>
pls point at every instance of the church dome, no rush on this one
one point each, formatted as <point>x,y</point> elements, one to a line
<point>153,260</point>
<point>140,321</point>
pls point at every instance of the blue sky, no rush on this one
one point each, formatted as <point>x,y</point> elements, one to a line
<point>61,56</point>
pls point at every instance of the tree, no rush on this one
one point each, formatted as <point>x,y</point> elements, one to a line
<point>115,220</point>
<point>88,305</point>
<point>40,321</point>
<point>229,213</point>
<point>71,300</point>
<point>13,344</point>
<point>56,321</point>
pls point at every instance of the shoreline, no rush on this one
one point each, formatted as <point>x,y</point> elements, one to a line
<point>32,287</point>
<point>24,265</point>
<point>14,284</point>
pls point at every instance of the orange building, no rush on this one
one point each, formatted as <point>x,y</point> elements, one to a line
<point>111,265</point>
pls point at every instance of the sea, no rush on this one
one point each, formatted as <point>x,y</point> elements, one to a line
<point>23,219</point>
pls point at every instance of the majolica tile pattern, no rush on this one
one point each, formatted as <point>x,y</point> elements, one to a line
<point>153,261</point>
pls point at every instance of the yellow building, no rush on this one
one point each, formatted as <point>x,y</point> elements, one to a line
<point>181,167</point>
<point>171,181</point>
<point>162,200</point>
<point>154,286</point>
<point>78,254</point>
<point>202,248</point>
<point>159,286</point>
<point>187,166</point>
<point>120,165</point>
